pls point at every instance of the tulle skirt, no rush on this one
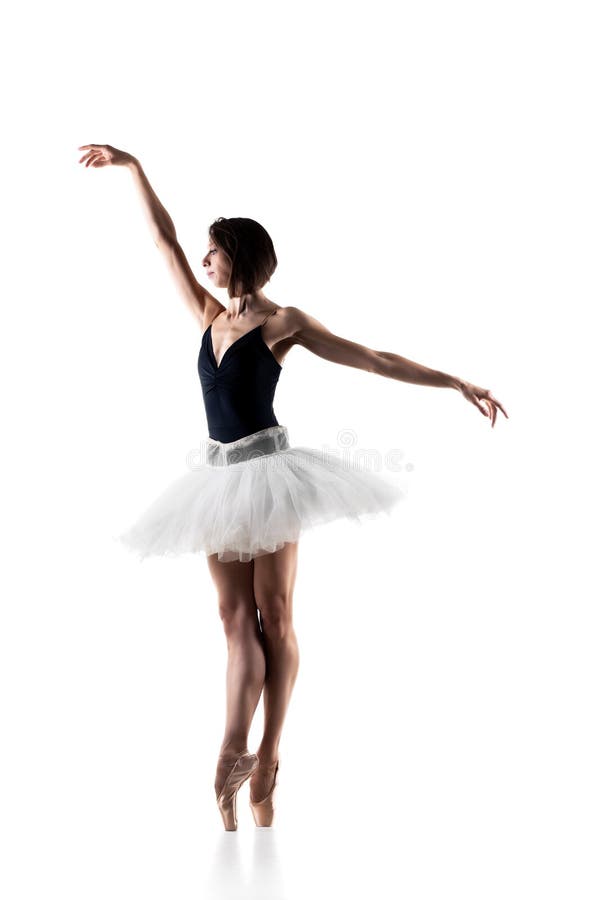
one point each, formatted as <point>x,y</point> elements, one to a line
<point>249,497</point>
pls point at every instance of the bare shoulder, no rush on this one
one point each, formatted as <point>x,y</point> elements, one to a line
<point>296,327</point>
<point>283,321</point>
<point>308,332</point>
<point>301,324</point>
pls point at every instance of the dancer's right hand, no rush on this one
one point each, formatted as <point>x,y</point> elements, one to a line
<point>104,155</point>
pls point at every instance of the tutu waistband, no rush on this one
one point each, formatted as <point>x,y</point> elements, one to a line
<point>252,446</point>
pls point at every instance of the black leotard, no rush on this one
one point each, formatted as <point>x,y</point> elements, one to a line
<point>238,394</point>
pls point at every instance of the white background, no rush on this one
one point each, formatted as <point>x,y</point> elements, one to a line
<point>429,175</point>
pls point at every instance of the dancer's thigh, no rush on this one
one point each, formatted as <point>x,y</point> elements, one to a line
<point>274,580</point>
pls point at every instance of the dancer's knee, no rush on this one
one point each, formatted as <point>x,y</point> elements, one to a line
<point>276,617</point>
<point>239,617</point>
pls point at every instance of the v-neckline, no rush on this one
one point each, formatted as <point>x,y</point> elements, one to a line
<point>212,349</point>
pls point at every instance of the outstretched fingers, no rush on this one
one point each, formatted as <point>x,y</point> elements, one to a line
<point>485,402</point>
<point>90,156</point>
<point>499,405</point>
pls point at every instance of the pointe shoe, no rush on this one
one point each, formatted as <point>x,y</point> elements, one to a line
<point>241,769</point>
<point>264,810</point>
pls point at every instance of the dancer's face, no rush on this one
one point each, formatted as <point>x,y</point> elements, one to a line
<point>216,265</point>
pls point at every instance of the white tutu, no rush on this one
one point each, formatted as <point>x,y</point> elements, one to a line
<point>253,495</point>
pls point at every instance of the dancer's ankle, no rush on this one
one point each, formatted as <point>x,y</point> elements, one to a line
<point>231,751</point>
<point>267,756</point>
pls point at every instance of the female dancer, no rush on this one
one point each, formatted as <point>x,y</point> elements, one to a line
<point>247,505</point>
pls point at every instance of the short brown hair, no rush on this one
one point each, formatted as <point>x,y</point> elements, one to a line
<point>250,251</point>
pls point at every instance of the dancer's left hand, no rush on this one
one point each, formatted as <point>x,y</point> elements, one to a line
<point>476,394</point>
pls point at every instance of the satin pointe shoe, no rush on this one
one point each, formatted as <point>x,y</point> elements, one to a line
<point>240,769</point>
<point>263,809</point>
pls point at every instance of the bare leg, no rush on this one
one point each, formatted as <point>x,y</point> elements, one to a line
<point>274,578</point>
<point>246,664</point>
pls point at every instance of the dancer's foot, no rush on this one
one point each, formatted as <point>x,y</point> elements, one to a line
<point>261,779</point>
<point>224,765</point>
<point>236,771</point>
<point>262,793</point>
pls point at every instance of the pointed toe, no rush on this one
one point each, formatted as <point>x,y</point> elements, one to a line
<point>263,809</point>
<point>241,769</point>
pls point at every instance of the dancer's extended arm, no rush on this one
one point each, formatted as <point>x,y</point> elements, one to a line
<point>308,332</point>
<point>161,224</point>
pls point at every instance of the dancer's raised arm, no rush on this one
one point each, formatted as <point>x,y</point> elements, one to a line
<point>161,223</point>
<point>308,332</point>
